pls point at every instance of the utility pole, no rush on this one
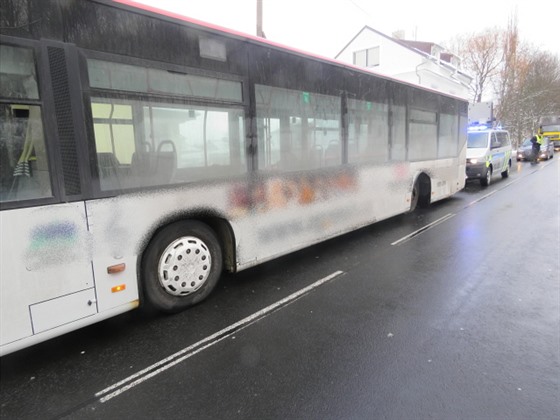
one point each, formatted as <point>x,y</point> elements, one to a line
<point>260,32</point>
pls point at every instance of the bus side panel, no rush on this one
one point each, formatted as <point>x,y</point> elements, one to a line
<point>295,212</point>
<point>292,214</point>
<point>122,226</point>
<point>45,256</point>
<point>270,216</point>
<point>114,261</point>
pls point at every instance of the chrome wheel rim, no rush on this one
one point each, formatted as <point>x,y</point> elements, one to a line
<point>184,266</point>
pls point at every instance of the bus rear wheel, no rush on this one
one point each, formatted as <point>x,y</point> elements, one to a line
<point>421,192</point>
<point>181,266</point>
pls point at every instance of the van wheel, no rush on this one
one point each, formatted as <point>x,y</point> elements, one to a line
<point>181,266</point>
<point>505,174</point>
<point>487,177</point>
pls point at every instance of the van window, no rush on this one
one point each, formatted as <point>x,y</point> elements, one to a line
<point>503,139</point>
<point>494,142</point>
<point>477,140</point>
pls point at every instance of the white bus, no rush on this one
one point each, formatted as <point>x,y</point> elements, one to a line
<point>143,153</point>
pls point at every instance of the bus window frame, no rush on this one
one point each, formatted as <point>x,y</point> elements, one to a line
<point>44,102</point>
<point>89,92</point>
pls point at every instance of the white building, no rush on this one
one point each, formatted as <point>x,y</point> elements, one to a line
<point>422,63</point>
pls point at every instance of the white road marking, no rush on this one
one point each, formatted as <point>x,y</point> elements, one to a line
<point>425,228</point>
<point>170,361</point>
<point>484,197</point>
<point>450,215</point>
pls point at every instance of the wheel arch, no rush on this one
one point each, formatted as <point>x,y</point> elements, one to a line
<point>213,219</point>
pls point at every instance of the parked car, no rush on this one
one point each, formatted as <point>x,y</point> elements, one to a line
<point>525,151</point>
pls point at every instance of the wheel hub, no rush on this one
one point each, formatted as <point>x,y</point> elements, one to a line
<point>184,266</point>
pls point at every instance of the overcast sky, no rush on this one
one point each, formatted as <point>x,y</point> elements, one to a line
<point>324,27</point>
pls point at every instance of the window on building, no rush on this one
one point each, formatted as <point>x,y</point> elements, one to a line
<point>367,58</point>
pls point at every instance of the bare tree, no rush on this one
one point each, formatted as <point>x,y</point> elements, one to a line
<point>537,93</point>
<point>523,82</point>
<point>482,57</point>
<point>528,86</point>
<point>543,82</point>
<point>509,82</point>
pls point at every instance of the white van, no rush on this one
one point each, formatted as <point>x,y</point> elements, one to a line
<point>488,154</point>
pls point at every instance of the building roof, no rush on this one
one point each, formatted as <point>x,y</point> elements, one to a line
<point>419,47</point>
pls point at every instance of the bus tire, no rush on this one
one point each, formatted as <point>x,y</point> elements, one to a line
<point>414,196</point>
<point>181,266</point>
<point>421,192</point>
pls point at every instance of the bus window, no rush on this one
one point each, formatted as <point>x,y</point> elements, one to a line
<point>24,164</point>
<point>448,135</point>
<point>423,135</point>
<point>17,73</point>
<point>209,137</point>
<point>297,130</point>
<point>141,144</point>
<point>24,167</point>
<point>368,131</point>
<point>398,133</point>
<point>114,130</point>
<point>117,76</point>
<point>463,122</point>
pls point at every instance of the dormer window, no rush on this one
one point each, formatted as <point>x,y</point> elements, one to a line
<point>436,51</point>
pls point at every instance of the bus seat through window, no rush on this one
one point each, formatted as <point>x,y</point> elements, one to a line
<point>108,165</point>
<point>166,162</point>
<point>332,153</point>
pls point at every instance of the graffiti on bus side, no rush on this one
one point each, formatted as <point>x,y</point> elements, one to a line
<point>292,190</point>
<point>53,243</point>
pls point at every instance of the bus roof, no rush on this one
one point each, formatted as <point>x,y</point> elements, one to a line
<point>133,5</point>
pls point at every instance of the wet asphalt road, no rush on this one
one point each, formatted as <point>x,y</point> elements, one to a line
<point>460,321</point>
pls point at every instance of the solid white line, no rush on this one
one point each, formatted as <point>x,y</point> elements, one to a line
<point>485,196</point>
<point>209,341</point>
<point>427,227</point>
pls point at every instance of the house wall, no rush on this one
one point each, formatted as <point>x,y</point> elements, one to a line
<point>405,64</point>
<point>407,59</point>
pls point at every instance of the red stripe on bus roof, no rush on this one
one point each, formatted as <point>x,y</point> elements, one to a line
<point>255,38</point>
<point>212,26</point>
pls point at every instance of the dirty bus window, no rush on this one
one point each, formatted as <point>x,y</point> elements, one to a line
<point>368,131</point>
<point>24,169</point>
<point>141,144</point>
<point>297,130</point>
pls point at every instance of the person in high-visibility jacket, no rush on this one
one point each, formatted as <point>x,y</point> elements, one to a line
<point>537,141</point>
